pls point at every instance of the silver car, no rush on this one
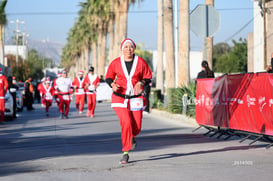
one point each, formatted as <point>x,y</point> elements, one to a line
<point>8,105</point>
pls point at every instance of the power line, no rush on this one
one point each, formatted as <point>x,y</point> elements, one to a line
<point>241,29</point>
<point>131,12</point>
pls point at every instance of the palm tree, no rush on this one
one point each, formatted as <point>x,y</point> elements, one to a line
<point>169,44</point>
<point>3,21</point>
<point>183,65</point>
<point>159,69</point>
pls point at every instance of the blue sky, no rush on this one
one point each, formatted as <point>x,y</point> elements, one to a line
<point>52,19</point>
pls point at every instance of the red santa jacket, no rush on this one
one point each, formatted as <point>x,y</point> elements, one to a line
<point>79,85</point>
<point>47,92</point>
<point>91,82</point>
<point>3,86</point>
<point>117,70</point>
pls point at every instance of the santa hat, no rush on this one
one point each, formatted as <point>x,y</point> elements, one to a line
<point>47,78</point>
<point>80,72</point>
<point>59,74</point>
<point>125,41</point>
<point>1,72</point>
<point>43,79</point>
<point>64,72</point>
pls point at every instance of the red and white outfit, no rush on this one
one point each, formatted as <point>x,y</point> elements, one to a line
<point>91,82</point>
<point>3,89</point>
<point>128,109</point>
<point>79,85</point>
<point>47,93</point>
<point>39,88</point>
<point>56,95</point>
<point>64,85</point>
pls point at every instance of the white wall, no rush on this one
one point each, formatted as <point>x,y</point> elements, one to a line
<point>12,49</point>
<point>258,39</point>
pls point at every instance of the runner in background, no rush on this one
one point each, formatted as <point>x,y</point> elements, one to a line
<point>78,84</point>
<point>64,88</point>
<point>47,93</point>
<point>91,83</point>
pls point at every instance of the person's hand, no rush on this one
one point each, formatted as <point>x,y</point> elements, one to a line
<point>115,87</point>
<point>271,55</point>
<point>137,88</point>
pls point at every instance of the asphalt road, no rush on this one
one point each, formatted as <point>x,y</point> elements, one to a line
<point>36,147</point>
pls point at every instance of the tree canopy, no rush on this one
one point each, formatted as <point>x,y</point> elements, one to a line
<point>230,59</point>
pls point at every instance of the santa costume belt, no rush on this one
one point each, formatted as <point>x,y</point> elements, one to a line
<point>126,96</point>
<point>63,93</point>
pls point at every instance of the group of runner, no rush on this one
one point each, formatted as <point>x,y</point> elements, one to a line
<point>62,89</point>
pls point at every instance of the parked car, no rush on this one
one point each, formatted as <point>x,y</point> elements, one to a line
<point>22,92</point>
<point>19,101</point>
<point>8,105</point>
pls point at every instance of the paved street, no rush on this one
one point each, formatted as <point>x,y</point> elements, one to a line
<point>36,147</point>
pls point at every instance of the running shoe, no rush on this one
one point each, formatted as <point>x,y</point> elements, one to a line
<point>124,159</point>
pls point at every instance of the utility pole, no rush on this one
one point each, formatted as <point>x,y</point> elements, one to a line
<point>17,38</point>
<point>208,42</point>
<point>265,41</point>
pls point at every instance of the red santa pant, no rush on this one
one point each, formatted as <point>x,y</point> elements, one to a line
<point>46,103</point>
<point>57,99</point>
<point>130,123</point>
<point>63,103</point>
<point>91,102</point>
<point>2,109</point>
<point>79,100</point>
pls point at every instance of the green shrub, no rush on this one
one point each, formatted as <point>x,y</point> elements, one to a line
<point>175,96</point>
<point>155,98</point>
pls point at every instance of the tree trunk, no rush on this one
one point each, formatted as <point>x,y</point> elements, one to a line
<point>209,40</point>
<point>116,40</point>
<point>159,69</point>
<point>94,55</point>
<point>1,44</point>
<point>169,44</point>
<point>86,58</point>
<point>122,34</point>
<point>111,32</point>
<point>102,52</point>
<point>183,64</point>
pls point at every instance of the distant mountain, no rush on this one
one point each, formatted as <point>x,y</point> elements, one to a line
<point>47,48</point>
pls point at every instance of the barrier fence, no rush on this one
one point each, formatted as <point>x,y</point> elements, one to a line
<point>239,102</point>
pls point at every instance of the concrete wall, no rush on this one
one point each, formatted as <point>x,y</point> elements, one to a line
<point>258,38</point>
<point>250,53</point>
<point>269,30</point>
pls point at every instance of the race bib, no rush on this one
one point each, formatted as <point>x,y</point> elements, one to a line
<point>48,97</point>
<point>12,90</point>
<point>136,104</point>
<point>80,90</point>
<point>66,97</point>
<point>91,88</point>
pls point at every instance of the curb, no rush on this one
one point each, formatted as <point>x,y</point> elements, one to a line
<point>174,117</point>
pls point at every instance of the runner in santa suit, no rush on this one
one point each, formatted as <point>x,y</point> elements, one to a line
<point>56,95</point>
<point>64,88</point>
<point>91,83</point>
<point>78,84</point>
<point>4,85</point>
<point>40,87</point>
<point>47,93</point>
<point>127,75</point>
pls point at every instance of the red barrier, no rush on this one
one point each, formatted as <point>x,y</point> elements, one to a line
<point>242,102</point>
